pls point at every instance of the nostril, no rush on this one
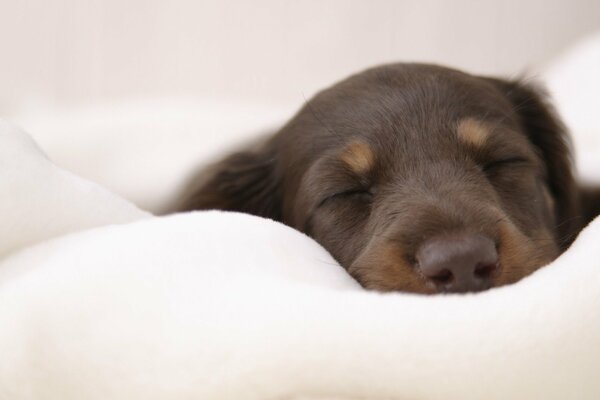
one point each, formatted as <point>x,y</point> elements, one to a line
<point>458,263</point>
<point>442,277</point>
<point>484,271</point>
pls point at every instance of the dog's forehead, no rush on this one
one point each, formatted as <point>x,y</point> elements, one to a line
<point>358,156</point>
<point>410,99</point>
<point>473,132</point>
<point>420,85</point>
<point>466,139</point>
<point>412,114</point>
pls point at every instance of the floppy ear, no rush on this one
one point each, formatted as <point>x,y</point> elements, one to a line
<point>590,202</point>
<point>244,182</point>
<point>549,135</point>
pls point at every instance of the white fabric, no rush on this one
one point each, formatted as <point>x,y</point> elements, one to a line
<point>144,149</point>
<point>228,306</point>
<point>574,82</point>
<point>40,200</point>
<point>99,300</point>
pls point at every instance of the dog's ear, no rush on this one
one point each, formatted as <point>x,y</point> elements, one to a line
<point>548,134</point>
<point>590,202</point>
<point>245,181</point>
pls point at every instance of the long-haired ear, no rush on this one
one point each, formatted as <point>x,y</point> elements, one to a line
<point>590,202</point>
<point>244,182</point>
<point>548,134</point>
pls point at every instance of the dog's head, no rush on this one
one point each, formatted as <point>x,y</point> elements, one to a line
<point>416,178</point>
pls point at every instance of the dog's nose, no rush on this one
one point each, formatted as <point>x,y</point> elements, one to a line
<point>462,263</point>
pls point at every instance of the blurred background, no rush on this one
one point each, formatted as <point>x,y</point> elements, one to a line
<point>142,72</point>
<point>57,52</point>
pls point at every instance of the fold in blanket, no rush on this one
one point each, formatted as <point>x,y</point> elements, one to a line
<point>214,305</point>
<point>41,201</point>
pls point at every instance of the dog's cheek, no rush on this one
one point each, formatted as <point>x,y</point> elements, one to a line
<point>521,255</point>
<point>549,204</point>
<point>341,229</point>
<point>523,201</point>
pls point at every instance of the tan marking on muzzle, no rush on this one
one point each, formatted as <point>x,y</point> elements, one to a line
<point>520,255</point>
<point>472,132</point>
<point>359,157</point>
<point>383,267</point>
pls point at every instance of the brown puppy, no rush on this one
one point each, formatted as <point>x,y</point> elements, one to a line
<point>416,178</point>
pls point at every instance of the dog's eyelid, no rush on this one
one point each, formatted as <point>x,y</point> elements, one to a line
<point>364,191</point>
<point>354,192</point>
<point>505,161</point>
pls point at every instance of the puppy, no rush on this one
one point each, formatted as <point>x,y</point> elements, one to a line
<point>416,178</point>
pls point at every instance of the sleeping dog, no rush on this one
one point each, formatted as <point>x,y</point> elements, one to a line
<point>416,178</point>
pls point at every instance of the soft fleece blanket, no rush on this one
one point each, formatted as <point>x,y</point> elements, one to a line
<point>100,300</point>
<point>213,305</point>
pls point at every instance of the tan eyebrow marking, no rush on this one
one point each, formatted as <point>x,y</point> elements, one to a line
<point>358,156</point>
<point>472,131</point>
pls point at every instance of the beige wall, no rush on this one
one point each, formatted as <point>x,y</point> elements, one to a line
<point>78,51</point>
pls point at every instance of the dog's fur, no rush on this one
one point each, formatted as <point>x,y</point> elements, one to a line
<point>377,164</point>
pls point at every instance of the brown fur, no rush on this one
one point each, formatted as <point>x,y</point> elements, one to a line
<point>377,164</point>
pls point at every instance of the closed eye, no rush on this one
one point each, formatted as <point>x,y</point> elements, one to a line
<point>363,194</point>
<point>493,165</point>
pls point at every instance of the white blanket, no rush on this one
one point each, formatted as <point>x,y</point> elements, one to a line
<point>213,305</point>
<point>99,300</point>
